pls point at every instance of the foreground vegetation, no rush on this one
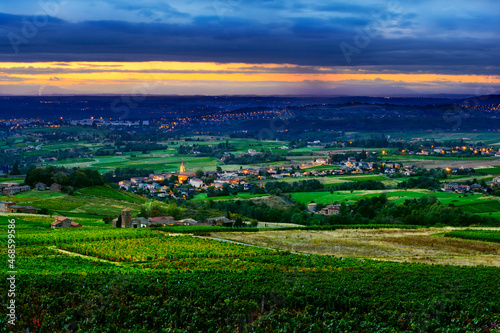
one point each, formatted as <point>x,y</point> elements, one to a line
<point>480,235</point>
<point>98,279</point>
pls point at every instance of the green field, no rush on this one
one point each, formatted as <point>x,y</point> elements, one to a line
<point>11,180</point>
<point>398,196</point>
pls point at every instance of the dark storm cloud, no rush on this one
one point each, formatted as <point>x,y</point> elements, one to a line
<point>303,33</point>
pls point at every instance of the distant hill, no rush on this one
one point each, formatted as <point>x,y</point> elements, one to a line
<point>482,100</point>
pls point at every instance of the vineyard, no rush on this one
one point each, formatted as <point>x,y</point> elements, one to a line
<point>479,235</point>
<point>99,279</point>
<point>162,248</point>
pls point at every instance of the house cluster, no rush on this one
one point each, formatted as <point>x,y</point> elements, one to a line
<point>327,210</point>
<point>12,207</point>
<point>188,182</point>
<point>10,189</point>
<point>391,168</point>
<point>461,188</point>
<point>486,151</point>
<point>44,187</point>
<point>356,167</point>
<point>125,220</point>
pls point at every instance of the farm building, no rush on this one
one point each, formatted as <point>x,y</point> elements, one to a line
<point>162,220</point>
<point>13,190</point>
<point>55,187</point>
<point>12,207</point>
<point>40,186</point>
<point>330,210</point>
<point>64,222</point>
<point>220,221</point>
<point>312,207</point>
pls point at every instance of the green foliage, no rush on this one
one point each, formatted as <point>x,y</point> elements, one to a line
<point>480,235</point>
<point>300,186</point>
<point>15,170</point>
<point>77,178</point>
<point>173,283</point>
<point>359,185</point>
<point>420,182</point>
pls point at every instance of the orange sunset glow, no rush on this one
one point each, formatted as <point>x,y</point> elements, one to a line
<point>118,74</point>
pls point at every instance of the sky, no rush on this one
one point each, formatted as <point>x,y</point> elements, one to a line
<point>267,47</point>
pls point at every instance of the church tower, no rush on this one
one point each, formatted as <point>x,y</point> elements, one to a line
<point>183,168</point>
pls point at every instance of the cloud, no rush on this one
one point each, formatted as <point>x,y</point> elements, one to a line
<point>423,37</point>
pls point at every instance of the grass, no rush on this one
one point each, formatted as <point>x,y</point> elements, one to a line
<point>494,170</point>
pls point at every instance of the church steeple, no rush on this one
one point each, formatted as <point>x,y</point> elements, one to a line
<point>183,168</point>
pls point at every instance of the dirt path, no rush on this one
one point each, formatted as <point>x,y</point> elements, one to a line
<point>74,254</point>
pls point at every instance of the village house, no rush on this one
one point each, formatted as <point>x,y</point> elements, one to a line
<point>40,186</point>
<point>312,207</point>
<point>495,181</point>
<point>196,182</point>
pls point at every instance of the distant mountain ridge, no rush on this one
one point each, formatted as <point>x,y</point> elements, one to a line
<point>482,100</point>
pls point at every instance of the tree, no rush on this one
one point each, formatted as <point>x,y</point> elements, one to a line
<point>238,223</point>
<point>199,173</point>
<point>107,219</point>
<point>15,170</point>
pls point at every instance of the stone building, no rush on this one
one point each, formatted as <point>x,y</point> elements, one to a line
<point>124,220</point>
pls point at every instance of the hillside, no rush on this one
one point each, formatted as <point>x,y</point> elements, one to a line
<point>95,201</point>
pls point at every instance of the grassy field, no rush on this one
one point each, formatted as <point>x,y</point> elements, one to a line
<point>397,196</point>
<point>92,201</point>
<point>418,245</point>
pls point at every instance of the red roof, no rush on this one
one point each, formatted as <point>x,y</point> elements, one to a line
<point>160,219</point>
<point>59,219</point>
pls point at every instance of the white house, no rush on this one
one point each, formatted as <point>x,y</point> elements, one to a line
<point>196,182</point>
